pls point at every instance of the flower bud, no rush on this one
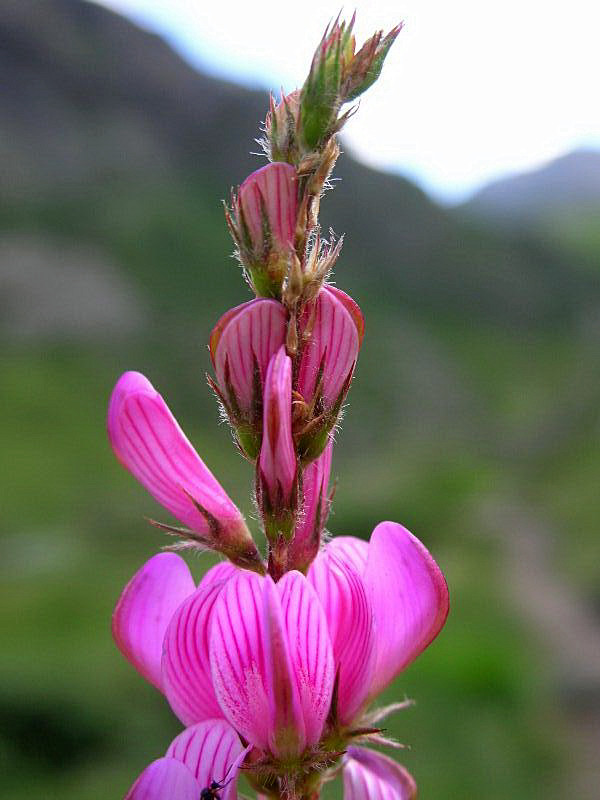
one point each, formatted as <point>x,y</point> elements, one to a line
<point>332,329</point>
<point>320,99</point>
<point>277,462</point>
<point>241,345</point>
<point>281,126</point>
<point>339,75</point>
<point>262,222</point>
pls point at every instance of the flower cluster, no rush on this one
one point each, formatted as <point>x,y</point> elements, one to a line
<point>272,664</point>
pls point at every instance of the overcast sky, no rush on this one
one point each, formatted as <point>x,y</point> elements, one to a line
<point>472,89</point>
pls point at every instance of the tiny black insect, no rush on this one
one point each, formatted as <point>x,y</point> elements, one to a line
<point>211,792</point>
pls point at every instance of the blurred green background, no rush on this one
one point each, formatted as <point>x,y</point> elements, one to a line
<point>473,418</point>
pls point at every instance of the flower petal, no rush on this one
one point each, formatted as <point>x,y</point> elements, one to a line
<point>145,608</point>
<point>238,659</point>
<point>150,444</point>
<point>209,750</point>
<point>373,776</point>
<point>277,453</point>
<point>165,779</point>
<point>334,342</point>
<point>352,308</point>
<point>288,730</point>
<point>351,550</point>
<point>186,662</point>
<point>243,339</point>
<point>409,597</point>
<point>310,650</point>
<point>270,191</point>
<point>343,596</point>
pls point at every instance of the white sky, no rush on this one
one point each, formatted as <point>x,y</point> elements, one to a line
<point>471,90</point>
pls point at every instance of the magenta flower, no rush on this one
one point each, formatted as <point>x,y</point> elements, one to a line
<point>332,329</point>
<point>277,460</point>
<point>262,221</point>
<point>242,344</point>
<point>202,757</point>
<point>149,443</point>
<point>265,656</point>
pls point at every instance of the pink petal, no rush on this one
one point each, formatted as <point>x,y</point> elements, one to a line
<point>288,730</point>
<point>186,665</point>
<point>244,338</point>
<point>151,445</point>
<point>165,779</point>
<point>310,650</point>
<point>314,510</point>
<point>209,750</point>
<point>351,550</point>
<point>409,597</point>
<point>274,189</point>
<point>145,608</point>
<point>373,776</point>
<point>334,341</point>
<point>352,308</point>
<point>238,659</point>
<point>277,453</point>
<point>342,594</point>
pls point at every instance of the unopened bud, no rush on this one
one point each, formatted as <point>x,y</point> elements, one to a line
<point>338,75</point>
<point>262,221</point>
<point>327,364</point>
<point>281,128</point>
<point>242,344</point>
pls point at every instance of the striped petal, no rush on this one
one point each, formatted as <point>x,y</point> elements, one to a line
<point>351,550</point>
<point>272,661</point>
<point>288,736</point>
<point>334,346</point>
<point>242,343</point>
<point>269,197</point>
<point>409,598</point>
<point>310,650</point>
<point>342,594</point>
<point>211,750</point>
<point>277,453</point>
<point>145,608</point>
<point>238,659</point>
<point>165,779</point>
<point>373,776</point>
<point>150,444</point>
<point>186,665</point>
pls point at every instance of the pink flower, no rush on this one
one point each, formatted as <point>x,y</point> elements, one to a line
<point>277,460</point>
<point>407,596</point>
<point>267,200</point>
<point>207,755</point>
<point>262,222</point>
<point>272,661</point>
<point>242,344</point>
<point>149,443</point>
<point>335,326</point>
<point>264,656</point>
